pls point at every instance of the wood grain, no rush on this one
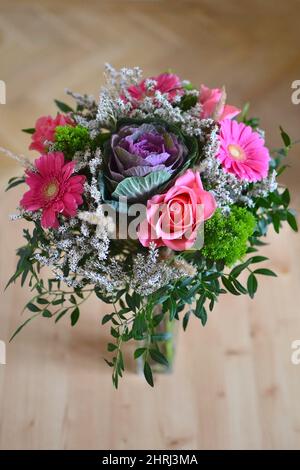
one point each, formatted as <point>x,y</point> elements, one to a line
<point>234,386</point>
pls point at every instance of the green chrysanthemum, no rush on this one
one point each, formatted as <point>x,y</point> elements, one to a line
<point>226,236</point>
<point>69,139</point>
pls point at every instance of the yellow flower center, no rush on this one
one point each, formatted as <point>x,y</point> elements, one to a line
<point>236,152</point>
<point>51,189</point>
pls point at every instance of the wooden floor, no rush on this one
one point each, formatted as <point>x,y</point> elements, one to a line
<point>234,386</point>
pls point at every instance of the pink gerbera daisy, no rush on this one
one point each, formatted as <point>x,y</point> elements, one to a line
<point>167,83</point>
<point>242,151</point>
<point>53,189</point>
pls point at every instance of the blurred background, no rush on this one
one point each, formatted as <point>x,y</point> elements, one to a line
<point>234,385</point>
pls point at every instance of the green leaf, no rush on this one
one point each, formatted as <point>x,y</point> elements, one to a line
<point>185,320</point>
<point>276,222</point>
<point>251,249</point>
<point>42,301</point>
<point>220,265</point>
<point>75,316</point>
<point>257,259</point>
<point>172,308</point>
<point>121,362</point>
<point>245,111</point>
<point>252,285</point>
<point>106,319</point>
<point>265,272</point>
<point>65,108</point>
<point>199,305</point>
<point>285,137</point>
<point>47,314</point>
<point>101,296</point>
<point>148,374</point>
<point>29,130</point>
<point>111,347</point>
<point>286,198</point>
<point>115,333</point>
<point>130,302</point>
<point>229,286</point>
<point>60,315</point>
<point>236,271</point>
<point>58,301</point>
<point>157,356</point>
<point>200,311</point>
<point>139,352</point>
<point>140,187</point>
<point>281,170</point>
<point>188,101</point>
<point>109,363</point>
<point>14,277</point>
<point>32,307</point>
<point>157,319</point>
<point>292,221</point>
<point>239,286</point>
<point>203,316</point>
<point>14,183</point>
<point>22,326</point>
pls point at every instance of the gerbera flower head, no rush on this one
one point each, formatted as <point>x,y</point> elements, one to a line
<point>53,189</point>
<point>45,128</point>
<point>166,83</point>
<point>242,151</point>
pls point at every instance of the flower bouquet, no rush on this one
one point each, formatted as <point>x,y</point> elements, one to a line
<point>155,199</point>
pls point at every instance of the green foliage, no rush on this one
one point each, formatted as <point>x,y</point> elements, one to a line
<point>226,236</point>
<point>148,374</point>
<point>29,130</point>
<point>135,317</point>
<point>65,108</point>
<point>14,181</point>
<point>249,121</point>
<point>274,209</point>
<point>188,101</point>
<point>69,139</point>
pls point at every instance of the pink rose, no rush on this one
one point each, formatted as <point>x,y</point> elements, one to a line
<point>167,83</point>
<point>173,218</point>
<point>209,99</point>
<point>45,130</point>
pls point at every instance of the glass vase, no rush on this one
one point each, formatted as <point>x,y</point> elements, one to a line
<point>166,333</point>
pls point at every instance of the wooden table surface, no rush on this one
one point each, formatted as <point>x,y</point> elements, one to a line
<point>234,386</point>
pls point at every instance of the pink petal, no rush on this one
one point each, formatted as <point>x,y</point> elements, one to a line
<point>181,244</point>
<point>49,219</point>
<point>209,204</point>
<point>229,112</point>
<point>68,169</point>
<point>70,204</point>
